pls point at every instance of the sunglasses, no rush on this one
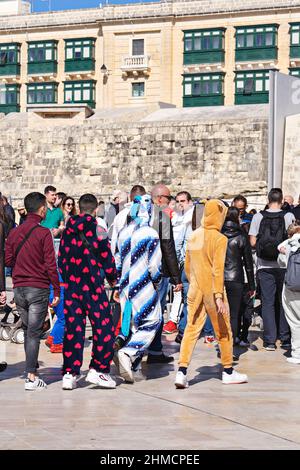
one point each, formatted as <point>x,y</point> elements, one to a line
<point>70,204</point>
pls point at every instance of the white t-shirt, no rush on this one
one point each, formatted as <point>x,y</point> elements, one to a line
<point>254,229</point>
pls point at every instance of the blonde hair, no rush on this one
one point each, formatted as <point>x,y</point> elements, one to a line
<point>293,228</point>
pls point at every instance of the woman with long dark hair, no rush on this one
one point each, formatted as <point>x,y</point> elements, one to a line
<point>68,207</point>
<point>238,257</point>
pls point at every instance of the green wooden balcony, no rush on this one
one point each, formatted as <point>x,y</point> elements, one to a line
<point>203,57</point>
<point>10,69</point>
<point>91,104</point>
<point>9,108</point>
<point>254,98</point>
<point>208,100</point>
<point>295,52</point>
<point>49,66</point>
<point>250,54</point>
<point>79,65</point>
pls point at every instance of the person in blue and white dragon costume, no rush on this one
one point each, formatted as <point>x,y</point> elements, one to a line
<point>138,263</point>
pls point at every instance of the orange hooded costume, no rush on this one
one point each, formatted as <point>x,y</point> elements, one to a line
<point>204,267</point>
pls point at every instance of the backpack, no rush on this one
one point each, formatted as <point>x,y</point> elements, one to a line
<point>292,276</point>
<point>271,233</point>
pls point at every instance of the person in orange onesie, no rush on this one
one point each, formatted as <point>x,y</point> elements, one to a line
<point>204,267</point>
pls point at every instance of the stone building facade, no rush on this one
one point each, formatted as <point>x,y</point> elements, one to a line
<point>183,52</point>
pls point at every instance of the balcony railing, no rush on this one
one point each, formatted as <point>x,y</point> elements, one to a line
<point>135,62</point>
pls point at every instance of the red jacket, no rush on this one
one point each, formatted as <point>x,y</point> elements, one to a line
<point>36,263</point>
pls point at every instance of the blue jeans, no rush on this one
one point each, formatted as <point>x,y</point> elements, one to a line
<point>184,313</point>
<point>59,326</point>
<point>156,345</point>
<point>208,328</point>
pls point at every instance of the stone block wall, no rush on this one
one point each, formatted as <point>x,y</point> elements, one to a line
<point>291,166</point>
<point>211,158</point>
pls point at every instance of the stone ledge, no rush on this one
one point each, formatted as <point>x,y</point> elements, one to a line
<point>146,10</point>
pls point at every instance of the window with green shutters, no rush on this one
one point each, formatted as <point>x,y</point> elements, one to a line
<point>204,46</point>
<point>256,43</point>
<point>203,89</point>
<point>41,93</point>
<point>294,40</point>
<point>42,57</point>
<point>10,59</point>
<point>80,92</point>
<point>252,87</point>
<point>79,54</point>
<point>9,98</point>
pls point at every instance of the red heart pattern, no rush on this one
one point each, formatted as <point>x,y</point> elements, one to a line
<point>85,295</point>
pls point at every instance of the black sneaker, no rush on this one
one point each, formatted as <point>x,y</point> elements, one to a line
<point>159,359</point>
<point>269,347</point>
<point>3,366</point>
<point>178,338</point>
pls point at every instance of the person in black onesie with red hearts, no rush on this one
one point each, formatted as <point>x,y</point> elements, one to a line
<point>84,259</point>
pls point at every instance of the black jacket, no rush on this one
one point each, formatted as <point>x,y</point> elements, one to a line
<point>162,224</point>
<point>238,255</point>
<point>296,212</point>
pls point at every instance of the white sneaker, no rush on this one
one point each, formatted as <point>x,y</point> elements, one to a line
<point>125,366</point>
<point>37,384</point>
<point>293,360</point>
<point>69,382</point>
<point>181,380</point>
<point>100,379</point>
<point>234,378</point>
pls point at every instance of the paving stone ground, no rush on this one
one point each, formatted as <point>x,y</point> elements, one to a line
<point>262,414</point>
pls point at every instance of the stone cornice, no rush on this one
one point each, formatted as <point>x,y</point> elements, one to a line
<point>143,11</point>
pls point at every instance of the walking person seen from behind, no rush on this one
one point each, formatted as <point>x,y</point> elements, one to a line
<point>30,252</point>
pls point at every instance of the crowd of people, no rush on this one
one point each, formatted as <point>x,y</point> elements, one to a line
<point>120,266</point>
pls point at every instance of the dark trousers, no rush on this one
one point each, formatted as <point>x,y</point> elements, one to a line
<point>76,309</point>
<point>32,305</point>
<point>275,324</point>
<point>234,292</point>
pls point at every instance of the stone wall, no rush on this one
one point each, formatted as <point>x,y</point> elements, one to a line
<point>291,167</point>
<point>212,157</point>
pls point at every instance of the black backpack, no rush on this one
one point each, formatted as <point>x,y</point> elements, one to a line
<point>271,233</point>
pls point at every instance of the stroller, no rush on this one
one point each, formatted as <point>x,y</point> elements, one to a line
<point>11,326</point>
